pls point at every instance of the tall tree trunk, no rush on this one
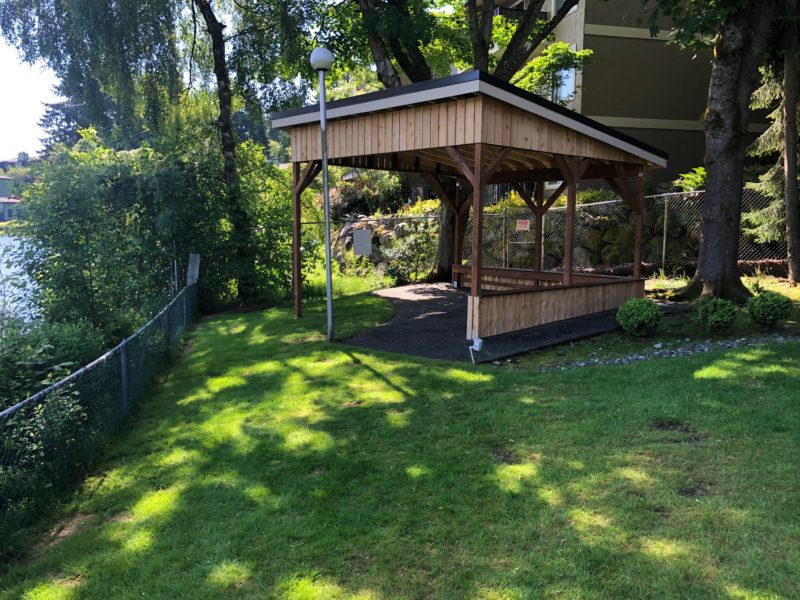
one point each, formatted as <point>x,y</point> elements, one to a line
<point>445,251</point>
<point>245,260</point>
<point>738,51</point>
<point>386,72</point>
<point>480,27</point>
<point>790,94</point>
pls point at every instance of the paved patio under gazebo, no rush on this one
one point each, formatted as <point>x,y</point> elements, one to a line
<point>463,133</point>
<point>428,322</point>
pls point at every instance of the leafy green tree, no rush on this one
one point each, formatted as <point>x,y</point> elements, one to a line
<point>87,241</point>
<point>693,180</point>
<point>121,62</point>
<point>738,32</point>
<point>117,60</point>
<point>545,73</point>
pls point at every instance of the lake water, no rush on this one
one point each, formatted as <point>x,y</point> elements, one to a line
<point>8,270</point>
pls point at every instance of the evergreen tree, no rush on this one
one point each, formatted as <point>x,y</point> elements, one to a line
<point>779,94</point>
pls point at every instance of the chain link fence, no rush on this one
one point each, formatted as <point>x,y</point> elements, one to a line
<point>604,235</point>
<point>402,247</point>
<point>48,439</point>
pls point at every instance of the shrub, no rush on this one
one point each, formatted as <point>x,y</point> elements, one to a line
<point>592,196</point>
<point>42,448</point>
<point>34,354</point>
<point>639,316</point>
<point>379,193</point>
<point>692,181</point>
<point>715,314</point>
<point>769,309</point>
<point>410,256</point>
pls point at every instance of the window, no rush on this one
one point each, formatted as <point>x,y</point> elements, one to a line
<point>557,4</point>
<point>566,91</point>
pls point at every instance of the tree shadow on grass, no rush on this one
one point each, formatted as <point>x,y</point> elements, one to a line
<point>323,472</point>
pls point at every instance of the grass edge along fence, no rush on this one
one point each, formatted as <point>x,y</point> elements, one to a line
<point>48,440</point>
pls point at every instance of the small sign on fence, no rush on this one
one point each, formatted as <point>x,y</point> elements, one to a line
<point>193,272</point>
<point>523,225</point>
<point>362,242</point>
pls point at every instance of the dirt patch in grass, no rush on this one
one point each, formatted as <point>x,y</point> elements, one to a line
<point>66,528</point>
<point>670,425</point>
<point>504,456</point>
<point>695,490</point>
<point>71,581</point>
<point>690,434</point>
<point>187,348</point>
<point>123,517</point>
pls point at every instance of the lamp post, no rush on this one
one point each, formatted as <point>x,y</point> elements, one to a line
<point>321,60</point>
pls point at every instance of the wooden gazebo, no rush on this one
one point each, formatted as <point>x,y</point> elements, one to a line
<point>480,130</point>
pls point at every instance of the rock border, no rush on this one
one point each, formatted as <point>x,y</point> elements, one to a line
<point>674,349</point>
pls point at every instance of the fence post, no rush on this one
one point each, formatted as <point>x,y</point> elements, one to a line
<point>540,266</point>
<point>193,270</point>
<point>505,238</point>
<point>664,237</point>
<point>123,375</point>
<point>165,327</point>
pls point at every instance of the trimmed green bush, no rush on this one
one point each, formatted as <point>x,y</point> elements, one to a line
<point>716,314</point>
<point>769,309</point>
<point>639,316</point>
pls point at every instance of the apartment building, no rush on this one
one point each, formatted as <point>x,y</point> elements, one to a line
<point>645,87</point>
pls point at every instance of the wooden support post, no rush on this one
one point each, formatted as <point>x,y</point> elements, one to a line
<point>458,243</point>
<point>538,252</point>
<point>572,170</point>
<point>297,284</point>
<point>477,222</point>
<point>637,249</point>
<point>569,235</point>
<point>632,194</point>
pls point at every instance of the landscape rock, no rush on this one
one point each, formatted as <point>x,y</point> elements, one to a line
<point>686,349</point>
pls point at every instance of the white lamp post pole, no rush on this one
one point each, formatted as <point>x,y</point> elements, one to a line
<point>321,60</point>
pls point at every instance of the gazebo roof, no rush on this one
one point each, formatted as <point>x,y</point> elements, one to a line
<point>540,114</point>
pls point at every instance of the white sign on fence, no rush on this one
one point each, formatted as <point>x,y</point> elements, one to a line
<point>193,272</point>
<point>362,242</point>
<point>523,225</point>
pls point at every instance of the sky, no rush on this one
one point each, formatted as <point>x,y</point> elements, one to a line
<point>24,90</point>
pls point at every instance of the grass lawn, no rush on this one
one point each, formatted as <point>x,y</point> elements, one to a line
<point>270,464</point>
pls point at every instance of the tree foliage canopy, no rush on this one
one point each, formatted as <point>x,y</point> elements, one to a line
<point>118,61</point>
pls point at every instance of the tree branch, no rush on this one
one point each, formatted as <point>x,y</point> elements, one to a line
<point>410,58</point>
<point>520,47</point>
<point>385,69</point>
<point>481,32</point>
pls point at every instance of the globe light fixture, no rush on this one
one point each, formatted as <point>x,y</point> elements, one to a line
<point>321,59</point>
